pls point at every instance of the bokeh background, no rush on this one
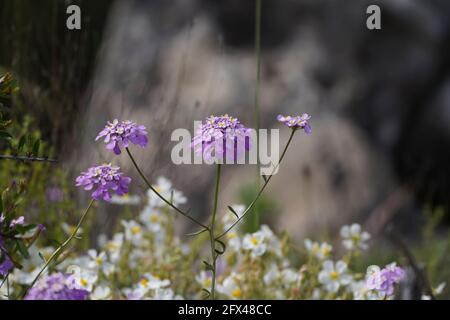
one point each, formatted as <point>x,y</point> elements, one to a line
<point>380,102</point>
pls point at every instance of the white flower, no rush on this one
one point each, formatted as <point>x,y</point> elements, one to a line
<point>133,231</point>
<point>114,246</point>
<point>255,243</point>
<point>234,241</point>
<point>151,282</point>
<point>334,275</point>
<point>69,229</point>
<point>164,188</point>
<point>358,289</point>
<point>273,243</point>
<point>126,199</point>
<point>101,293</point>
<point>98,262</point>
<point>152,219</point>
<point>354,238</point>
<point>439,289</point>
<point>83,278</point>
<point>204,280</point>
<point>272,275</point>
<point>320,250</point>
<point>164,294</point>
<point>290,276</point>
<point>230,287</point>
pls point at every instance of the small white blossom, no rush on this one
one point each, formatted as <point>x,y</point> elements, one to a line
<point>354,238</point>
<point>333,276</point>
<point>255,243</point>
<point>320,250</point>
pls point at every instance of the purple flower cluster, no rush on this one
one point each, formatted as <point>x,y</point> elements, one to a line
<point>222,136</point>
<point>296,122</point>
<point>384,280</point>
<point>102,179</point>
<point>118,135</point>
<point>57,286</point>
<point>5,262</point>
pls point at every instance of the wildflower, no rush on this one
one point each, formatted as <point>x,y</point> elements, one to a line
<point>57,286</point>
<point>273,243</point>
<point>119,135</point>
<point>296,122</point>
<point>6,265</point>
<point>255,243</point>
<point>102,179</point>
<point>17,222</point>
<point>133,231</point>
<point>234,241</point>
<point>164,188</point>
<point>230,287</point>
<point>83,278</point>
<point>101,293</point>
<point>151,282</point>
<point>114,246</point>
<point>98,262</point>
<point>152,219</point>
<point>383,280</point>
<point>204,280</point>
<point>221,136</point>
<point>320,251</point>
<point>354,237</point>
<point>126,200</point>
<point>334,275</point>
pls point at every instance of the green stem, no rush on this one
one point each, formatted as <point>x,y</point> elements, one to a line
<point>261,190</point>
<point>255,222</point>
<point>169,203</point>
<point>61,248</point>
<point>211,232</point>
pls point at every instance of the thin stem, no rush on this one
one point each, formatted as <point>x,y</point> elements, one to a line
<point>211,232</point>
<point>169,203</point>
<point>30,159</point>
<point>261,190</point>
<point>257,96</point>
<point>61,248</point>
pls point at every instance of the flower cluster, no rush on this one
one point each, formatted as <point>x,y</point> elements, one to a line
<point>145,259</point>
<point>57,286</point>
<point>296,122</point>
<point>102,179</point>
<point>118,135</point>
<point>221,137</point>
<point>384,280</point>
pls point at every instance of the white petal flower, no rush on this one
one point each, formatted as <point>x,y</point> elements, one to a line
<point>354,238</point>
<point>255,243</point>
<point>334,275</point>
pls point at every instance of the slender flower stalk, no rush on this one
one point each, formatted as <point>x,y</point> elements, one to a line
<point>212,238</point>
<point>61,248</point>
<point>244,214</point>
<point>169,203</point>
<point>255,222</point>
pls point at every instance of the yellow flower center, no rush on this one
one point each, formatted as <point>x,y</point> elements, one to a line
<point>136,230</point>
<point>98,260</point>
<point>143,282</point>
<point>254,241</point>
<point>326,251</point>
<point>154,218</point>
<point>207,283</point>
<point>231,235</point>
<point>84,282</point>
<point>334,275</point>
<point>237,293</point>
<point>356,238</point>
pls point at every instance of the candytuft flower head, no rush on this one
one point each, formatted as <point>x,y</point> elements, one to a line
<point>57,286</point>
<point>102,179</point>
<point>383,280</point>
<point>222,136</point>
<point>118,135</point>
<point>296,122</point>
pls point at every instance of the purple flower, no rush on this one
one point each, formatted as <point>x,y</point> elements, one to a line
<point>296,122</point>
<point>102,179</point>
<point>17,222</point>
<point>220,137</point>
<point>119,135</point>
<point>5,261</point>
<point>57,286</point>
<point>384,280</point>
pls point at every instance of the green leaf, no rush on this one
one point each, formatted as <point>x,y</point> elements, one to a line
<point>36,146</point>
<point>233,211</point>
<point>208,266</point>
<point>22,141</point>
<point>23,249</point>
<point>208,294</point>
<point>5,135</point>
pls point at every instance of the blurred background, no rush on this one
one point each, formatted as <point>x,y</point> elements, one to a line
<point>380,102</point>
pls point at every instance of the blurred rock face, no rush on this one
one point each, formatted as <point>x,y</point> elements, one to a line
<point>374,96</point>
